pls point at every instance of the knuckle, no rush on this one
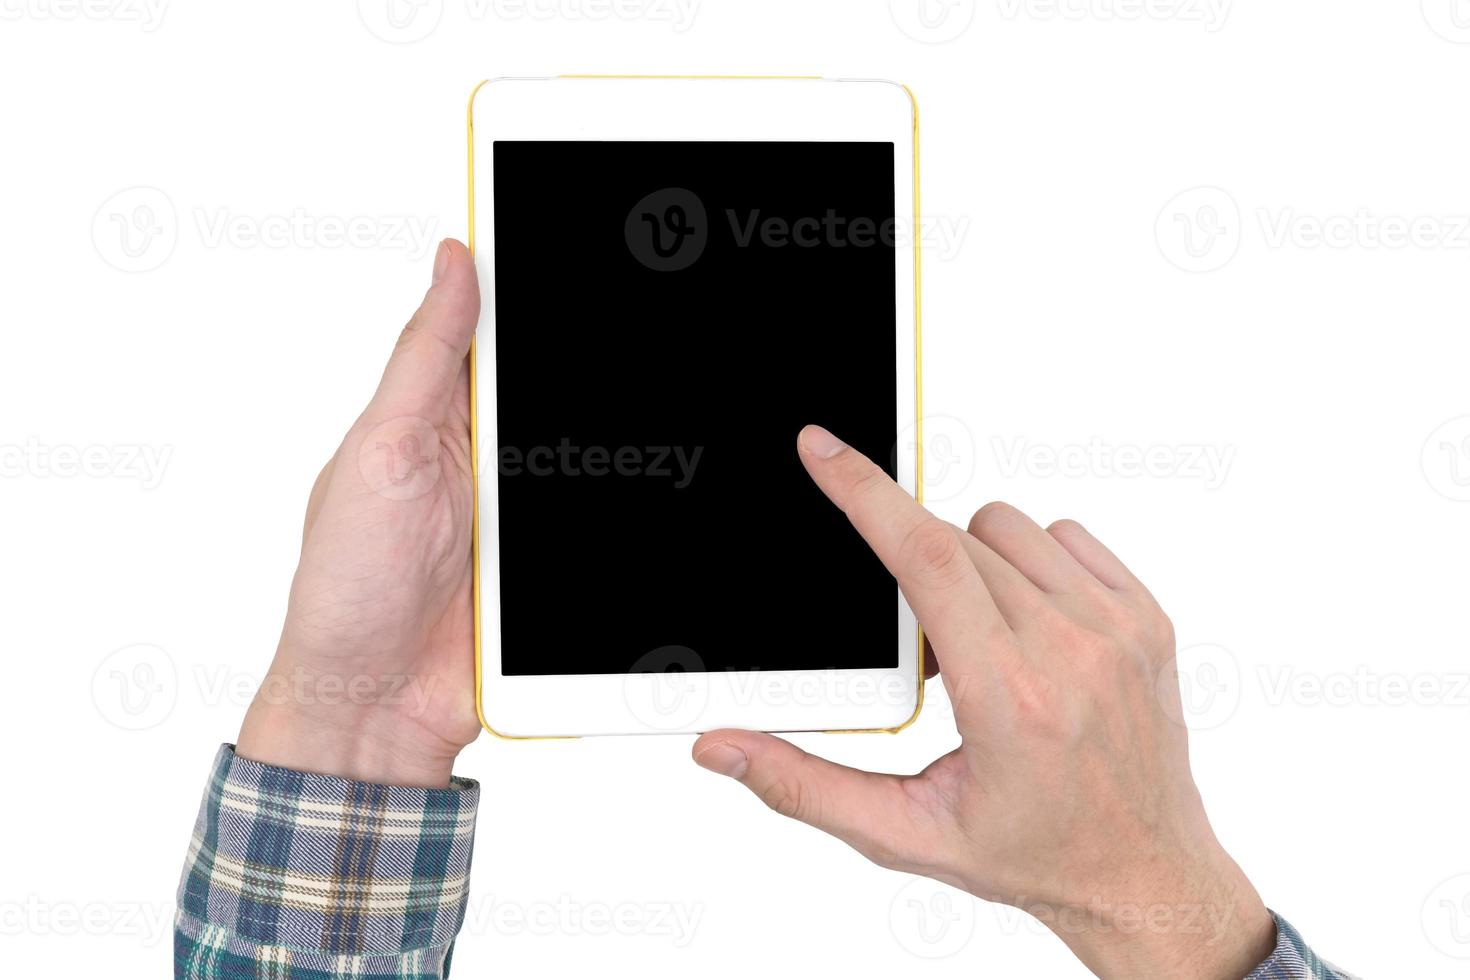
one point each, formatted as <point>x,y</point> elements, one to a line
<point>930,552</point>
<point>1145,631</point>
<point>866,479</point>
<point>1161,637</point>
<point>861,484</point>
<point>1037,702</point>
<point>407,337</point>
<point>788,797</point>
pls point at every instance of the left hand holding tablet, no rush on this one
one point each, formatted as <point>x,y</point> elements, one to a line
<point>374,675</point>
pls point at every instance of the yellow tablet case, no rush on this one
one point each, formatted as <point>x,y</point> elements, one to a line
<point>474,436</point>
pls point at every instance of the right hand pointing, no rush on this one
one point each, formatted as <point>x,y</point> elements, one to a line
<point>1070,795</point>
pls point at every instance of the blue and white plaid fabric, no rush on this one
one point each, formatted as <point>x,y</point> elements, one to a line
<point>1292,959</point>
<point>294,876</point>
<point>305,877</point>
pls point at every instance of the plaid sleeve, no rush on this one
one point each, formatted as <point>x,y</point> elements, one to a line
<point>294,876</point>
<point>1293,959</point>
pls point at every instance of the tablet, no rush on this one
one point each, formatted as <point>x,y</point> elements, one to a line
<point>677,275</point>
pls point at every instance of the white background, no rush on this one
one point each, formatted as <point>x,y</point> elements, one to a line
<point>1322,582</point>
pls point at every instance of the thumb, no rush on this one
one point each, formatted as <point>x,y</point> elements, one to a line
<point>427,359</point>
<point>872,812</point>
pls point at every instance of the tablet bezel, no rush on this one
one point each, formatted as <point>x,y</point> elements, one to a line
<point>689,109</point>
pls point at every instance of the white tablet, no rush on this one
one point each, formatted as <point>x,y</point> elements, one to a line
<point>677,275</point>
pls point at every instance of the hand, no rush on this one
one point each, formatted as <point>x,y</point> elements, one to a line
<point>373,678</point>
<point>1070,795</point>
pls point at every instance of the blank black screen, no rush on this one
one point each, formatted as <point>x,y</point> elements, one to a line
<point>668,316</point>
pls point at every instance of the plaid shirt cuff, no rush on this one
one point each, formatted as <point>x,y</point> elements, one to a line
<point>295,875</point>
<point>1293,959</point>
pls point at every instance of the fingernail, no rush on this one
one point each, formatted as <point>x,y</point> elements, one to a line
<point>441,261</point>
<point>817,441</point>
<point>725,759</point>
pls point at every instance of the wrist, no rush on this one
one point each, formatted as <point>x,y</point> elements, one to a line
<point>354,738</point>
<point>1204,922</point>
